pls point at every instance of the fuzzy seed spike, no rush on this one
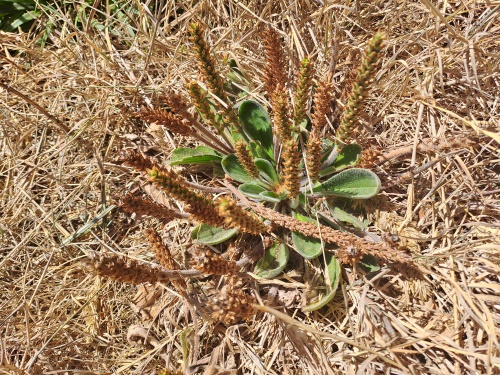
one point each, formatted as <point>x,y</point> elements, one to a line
<point>246,158</point>
<point>291,161</point>
<point>211,263</point>
<point>137,161</point>
<point>232,304</point>
<point>126,270</point>
<point>237,217</point>
<point>359,92</point>
<point>200,207</point>
<point>210,75</point>
<point>323,100</point>
<point>174,122</point>
<point>313,157</point>
<point>275,66</point>
<point>302,91</point>
<point>201,104</point>
<point>148,207</point>
<point>206,63</point>
<point>165,257</point>
<point>282,123</point>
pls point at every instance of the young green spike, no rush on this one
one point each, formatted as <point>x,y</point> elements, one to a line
<point>210,74</point>
<point>303,90</point>
<point>360,89</point>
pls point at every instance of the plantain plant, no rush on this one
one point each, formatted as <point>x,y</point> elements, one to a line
<point>277,169</point>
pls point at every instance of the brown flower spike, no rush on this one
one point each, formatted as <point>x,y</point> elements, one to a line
<point>274,71</point>
<point>237,217</point>
<point>200,207</point>
<point>246,158</point>
<point>291,160</point>
<point>148,207</point>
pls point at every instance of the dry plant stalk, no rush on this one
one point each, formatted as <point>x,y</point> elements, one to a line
<point>344,240</point>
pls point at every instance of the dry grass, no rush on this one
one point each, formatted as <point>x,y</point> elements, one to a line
<point>439,87</point>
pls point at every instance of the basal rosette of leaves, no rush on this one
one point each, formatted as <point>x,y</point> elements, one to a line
<point>288,171</point>
<point>338,177</point>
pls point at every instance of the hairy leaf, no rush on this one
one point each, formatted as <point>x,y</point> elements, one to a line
<point>308,247</point>
<point>252,190</point>
<point>341,215</point>
<point>346,158</point>
<point>270,196</point>
<point>369,263</point>
<point>352,183</point>
<point>333,278</point>
<point>273,262</point>
<point>197,155</point>
<point>257,124</point>
<point>266,170</point>
<point>210,235</point>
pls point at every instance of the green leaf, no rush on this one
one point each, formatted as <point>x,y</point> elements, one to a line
<point>273,262</point>
<point>233,65</point>
<point>197,155</point>
<point>369,263</point>
<point>235,170</point>
<point>257,151</point>
<point>308,247</point>
<point>353,183</point>
<point>257,125</point>
<point>347,157</point>
<point>341,215</point>
<point>333,278</point>
<point>237,83</point>
<point>267,170</point>
<point>252,190</point>
<point>270,196</point>
<point>210,235</point>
